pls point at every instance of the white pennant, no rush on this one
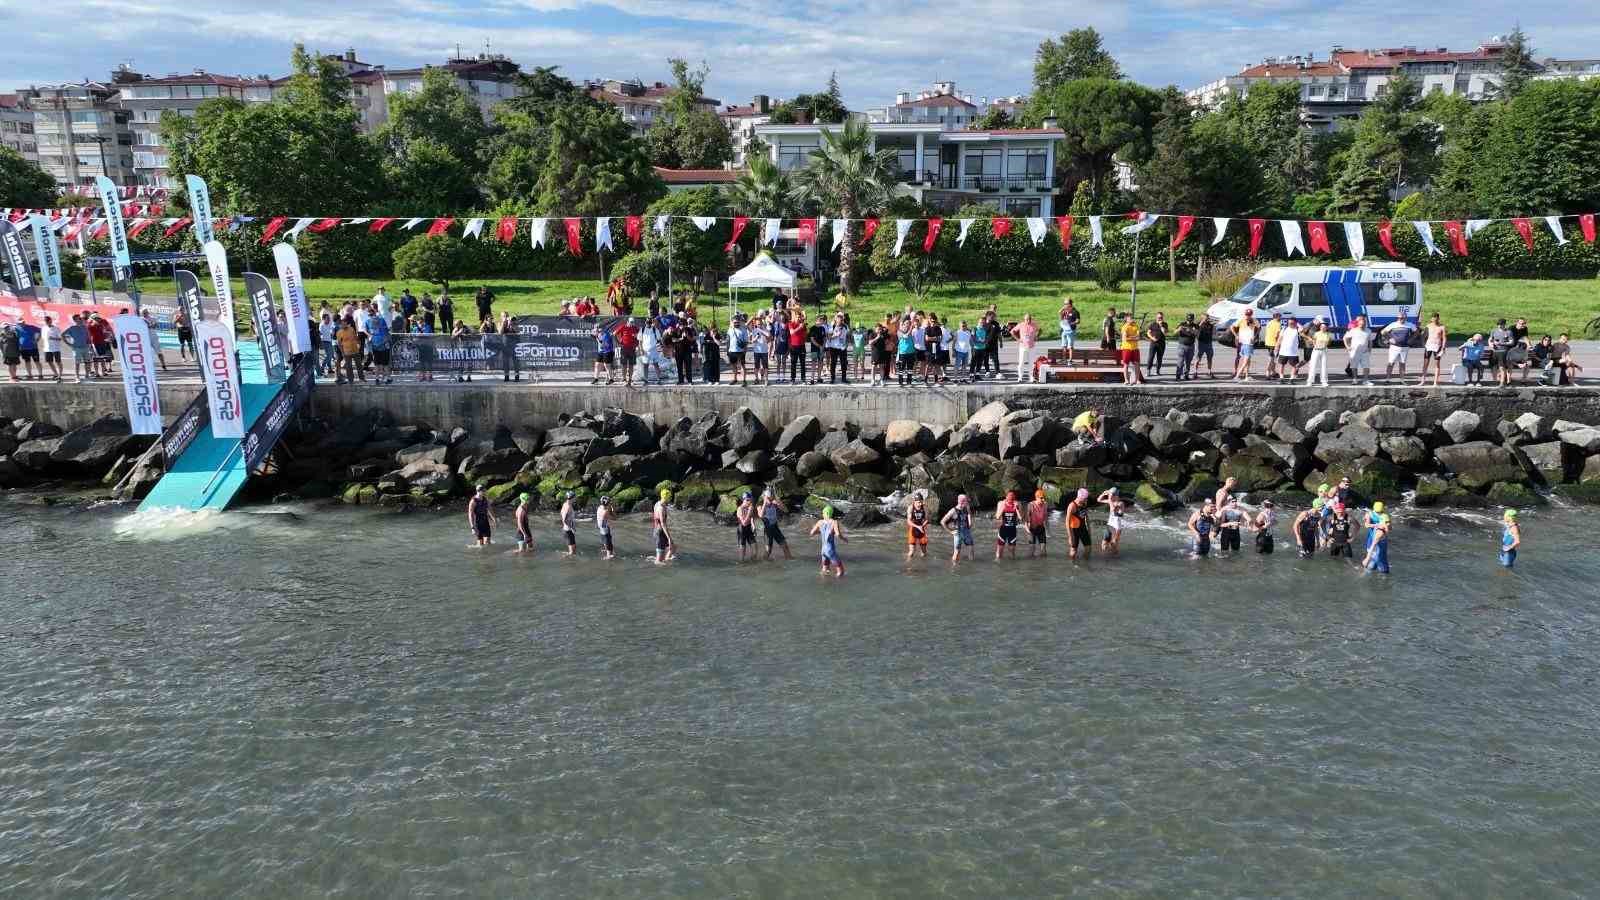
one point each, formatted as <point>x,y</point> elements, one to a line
<point>474,228</point>
<point>902,227</point>
<point>299,226</point>
<point>1097,235</point>
<point>661,224</point>
<point>1222,229</point>
<point>966,225</point>
<point>360,221</point>
<point>1476,225</point>
<point>1037,229</point>
<point>771,231</point>
<point>1555,228</point>
<point>537,230</point>
<point>703,223</point>
<point>1144,221</point>
<point>1425,231</point>
<point>1356,239</point>
<point>1291,237</point>
<point>841,227</point>
<point>602,233</point>
<point>25,224</point>
<point>411,223</point>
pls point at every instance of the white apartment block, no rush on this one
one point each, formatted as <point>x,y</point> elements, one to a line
<point>1011,170</point>
<point>943,105</point>
<point>1340,86</point>
<point>639,103</point>
<point>742,121</point>
<point>16,127</point>
<point>80,131</point>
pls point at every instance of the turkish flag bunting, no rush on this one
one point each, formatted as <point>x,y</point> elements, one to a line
<point>999,227</point>
<point>72,231</point>
<point>440,226</point>
<point>933,234</point>
<point>739,222</point>
<point>574,232</point>
<point>178,226</point>
<point>1319,237</point>
<point>273,227</point>
<point>808,231</point>
<point>870,229</point>
<point>224,222</point>
<point>1064,232</point>
<point>1258,227</point>
<point>139,226</point>
<point>128,209</point>
<point>634,226</point>
<point>379,225</point>
<point>17,215</point>
<point>100,232</point>
<point>1457,236</point>
<point>1586,222</point>
<point>153,211</point>
<point>507,229</point>
<point>1525,228</point>
<point>1185,223</point>
<point>322,225</point>
<point>1386,238</point>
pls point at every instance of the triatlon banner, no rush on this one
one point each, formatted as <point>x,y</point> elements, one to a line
<point>296,311</point>
<point>16,260</point>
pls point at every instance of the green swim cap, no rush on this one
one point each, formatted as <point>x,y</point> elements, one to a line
<point>827,512</point>
<point>1322,487</point>
<point>524,498</point>
<point>1317,503</point>
<point>1510,514</point>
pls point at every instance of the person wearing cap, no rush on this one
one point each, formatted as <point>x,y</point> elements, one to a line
<point>1269,339</point>
<point>772,511</point>
<point>1305,528</point>
<point>831,534</point>
<point>569,523</point>
<point>1510,538</point>
<point>1038,518</point>
<point>602,523</point>
<point>958,522</point>
<point>1088,426</point>
<point>1339,532</point>
<point>1230,525</point>
<point>665,551</point>
<point>627,335</point>
<point>524,527</point>
<point>738,337</point>
<point>744,517</point>
<point>1265,518</point>
<point>1344,495</point>
<point>480,517</point>
<point>1377,558</point>
<point>1008,515</point>
<point>917,526</point>
<point>1116,512</point>
<point>1288,350</point>
<point>1077,520</point>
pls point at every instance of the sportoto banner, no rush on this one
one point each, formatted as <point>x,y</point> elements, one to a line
<point>186,427</point>
<point>217,261</point>
<point>558,342</point>
<point>199,208</point>
<point>46,251</point>
<point>16,260</point>
<point>296,311</point>
<point>137,355</point>
<point>259,290</point>
<point>269,426</point>
<point>220,368</point>
<point>541,342</point>
<point>116,232</point>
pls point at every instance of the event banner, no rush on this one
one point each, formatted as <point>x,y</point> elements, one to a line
<point>541,342</point>
<point>220,367</point>
<point>15,309</point>
<point>118,234</point>
<point>46,251</point>
<point>200,209</point>
<point>558,342</point>
<point>217,261</point>
<point>16,259</point>
<point>269,426</point>
<point>186,427</point>
<point>259,290</point>
<point>137,356</point>
<point>190,295</point>
<point>296,311</point>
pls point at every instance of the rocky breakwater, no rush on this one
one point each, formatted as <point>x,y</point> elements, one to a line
<point>90,461</point>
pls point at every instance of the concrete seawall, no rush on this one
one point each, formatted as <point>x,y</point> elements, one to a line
<point>482,405</point>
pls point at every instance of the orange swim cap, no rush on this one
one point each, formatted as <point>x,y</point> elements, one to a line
<point>1038,494</point>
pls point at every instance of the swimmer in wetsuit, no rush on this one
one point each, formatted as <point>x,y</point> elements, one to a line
<point>1077,519</point>
<point>1377,558</point>
<point>524,527</point>
<point>1201,525</point>
<point>1510,538</point>
<point>1305,529</point>
<point>569,523</point>
<point>831,534</point>
<point>958,521</point>
<point>1265,519</point>
<point>1009,515</point>
<point>480,517</point>
<point>917,526</point>
<point>771,510</point>
<point>744,518</point>
<point>1038,518</point>
<point>1339,533</point>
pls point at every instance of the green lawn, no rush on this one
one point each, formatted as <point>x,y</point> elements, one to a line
<point>1466,306</point>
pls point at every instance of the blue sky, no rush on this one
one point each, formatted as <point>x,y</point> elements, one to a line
<point>777,48</point>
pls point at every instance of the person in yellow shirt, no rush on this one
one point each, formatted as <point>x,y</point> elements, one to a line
<point>1128,351</point>
<point>349,340</point>
<point>1269,340</point>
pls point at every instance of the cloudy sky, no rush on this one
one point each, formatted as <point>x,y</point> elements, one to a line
<point>777,48</point>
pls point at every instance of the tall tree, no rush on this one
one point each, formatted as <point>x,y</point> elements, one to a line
<point>1078,54</point>
<point>23,183</point>
<point>846,179</point>
<point>762,190</point>
<point>687,135</point>
<point>1395,146</point>
<point>992,118</point>
<point>519,148</point>
<point>432,146</point>
<point>593,165</point>
<point>1517,62</point>
<point>1104,121</point>
<point>1539,154</point>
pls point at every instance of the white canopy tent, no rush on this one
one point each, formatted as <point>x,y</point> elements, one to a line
<point>763,272</point>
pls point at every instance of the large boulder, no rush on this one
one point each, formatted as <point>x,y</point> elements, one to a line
<point>1191,421</point>
<point>970,438</point>
<point>606,472</point>
<point>855,455</point>
<point>754,462</point>
<point>529,440</point>
<point>30,430</point>
<point>1154,498</point>
<point>1081,454</point>
<point>426,477</point>
<point>492,466</point>
<point>1012,477</point>
<point>1370,478</point>
<point>35,455</point>
<point>904,436</point>
<point>1552,462</point>
<point>1250,472</point>
<point>1536,427</point>
<point>1405,450</point>
<point>11,474</point>
<point>745,431</point>
<point>1126,443</point>
<point>812,463</point>
<point>1322,422</point>
<point>1163,472</point>
<point>691,438</point>
<point>1348,443</point>
<point>834,440</point>
<point>799,436</point>
<point>1478,464</point>
<point>1171,440</point>
<point>90,449</point>
<point>1284,431</point>
<point>1026,432</point>
<point>1503,493</point>
<point>568,435</point>
<point>1388,417</point>
<point>1462,425</point>
<point>1591,471</point>
<point>560,457</point>
<point>624,432</point>
<point>437,453</point>
<point>1585,439</point>
<point>988,418</point>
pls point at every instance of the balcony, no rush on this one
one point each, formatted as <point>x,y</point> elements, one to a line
<point>997,184</point>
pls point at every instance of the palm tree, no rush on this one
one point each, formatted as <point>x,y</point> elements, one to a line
<point>844,176</point>
<point>762,190</point>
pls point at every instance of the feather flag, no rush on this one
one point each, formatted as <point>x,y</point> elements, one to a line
<point>869,228</point>
<point>1222,229</point>
<point>1386,237</point>
<point>739,222</point>
<point>966,226</point>
<point>271,230</point>
<point>1318,232</point>
<point>1097,235</point>
<point>1258,229</point>
<point>474,229</point>
<point>440,226</point>
<point>1524,228</point>
<point>602,234</point>
<point>574,228</point>
<point>1141,221</point>
<point>506,231</point>
<point>1291,237</point>
<point>934,226</point>
<point>902,227</point>
<point>1037,229</point>
<point>1000,227</point>
<point>633,227</point>
<point>1185,223</point>
<point>1458,237</point>
<point>538,230</point>
<point>1555,228</point>
<point>1064,232</point>
<point>1425,231</point>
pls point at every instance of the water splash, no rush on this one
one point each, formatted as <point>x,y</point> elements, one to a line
<point>172,523</point>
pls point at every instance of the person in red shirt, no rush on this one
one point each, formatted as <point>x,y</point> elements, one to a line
<point>797,348</point>
<point>102,337</point>
<point>627,335</point>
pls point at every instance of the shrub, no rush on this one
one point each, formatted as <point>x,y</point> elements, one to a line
<point>435,259</point>
<point>1108,272</point>
<point>1224,277</point>
<point>642,272</point>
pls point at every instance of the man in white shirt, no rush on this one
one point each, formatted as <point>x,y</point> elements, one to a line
<point>50,343</point>
<point>1358,342</point>
<point>381,298</point>
<point>1399,334</point>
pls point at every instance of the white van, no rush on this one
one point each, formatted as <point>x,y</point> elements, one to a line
<point>1380,291</point>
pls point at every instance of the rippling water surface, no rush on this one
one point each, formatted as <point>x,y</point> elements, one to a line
<point>355,703</point>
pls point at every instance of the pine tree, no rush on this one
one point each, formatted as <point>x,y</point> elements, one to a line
<point>1517,61</point>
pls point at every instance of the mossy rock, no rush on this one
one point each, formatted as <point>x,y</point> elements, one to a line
<point>420,499</point>
<point>1200,488</point>
<point>1370,478</point>
<point>1583,492</point>
<point>367,495</point>
<point>1252,473</point>
<point>1291,499</point>
<point>866,487</point>
<point>664,486</point>
<point>814,504</point>
<point>627,497</point>
<point>721,480</point>
<point>556,483</point>
<point>1154,498</point>
<point>1511,494</point>
<point>504,494</point>
<point>830,484</point>
<point>1431,489</point>
<point>695,496</point>
<point>351,493</point>
<point>1164,473</point>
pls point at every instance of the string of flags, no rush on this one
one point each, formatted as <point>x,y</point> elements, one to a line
<point>1302,237</point>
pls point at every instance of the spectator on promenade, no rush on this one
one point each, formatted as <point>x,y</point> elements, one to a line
<point>961,347</point>
<point>149,317</point>
<point>1433,347</point>
<point>1109,330</point>
<point>1245,331</point>
<point>381,301</point>
<point>77,337</point>
<point>837,344</point>
<point>1519,332</point>
<point>447,314</point>
<point>378,343</point>
<point>858,351</point>
<point>1186,338</point>
<point>816,341</point>
<point>937,340</point>
<point>1204,336</point>
<point>627,335</point>
<point>604,355</point>
<point>879,344</point>
<point>1156,333</point>
<point>28,349</point>
<point>1473,360</point>
<point>349,352</point>
<point>180,323</point>
<point>327,344</point>
<point>1128,350</point>
<point>485,301</point>
<point>11,349</point>
<point>1500,343</point>
<point>1271,334</point>
<point>1069,327</point>
<point>760,346</point>
<point>997,338</point>
<point>795,339</point>
<point>1027,334</point>
<point>738,338</point>
<point>905,355</point>
<point>1358,343</point>
<point>1399,335</point>
<point>710,356</point>
<point>1566,367</point>
<point>1541,356</point>
<point>50,341</point>
<point>650,349</point>
<point>430,314</point>
<point>979,365</point>
<point>1287,350</point>
<point>101,337</point>
<point>682,340</point>
<point>778,327</point>
<point>1321,339</point>
<point>408,303</point>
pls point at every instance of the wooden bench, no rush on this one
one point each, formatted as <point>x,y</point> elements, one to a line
<point>1080,375</point>
<point>1083,356</point>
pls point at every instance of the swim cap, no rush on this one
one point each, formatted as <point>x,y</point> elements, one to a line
<point>1377,507</point>
<point>1011,495</point>
<point>1114,491</point>
<point>1083,493</point>
<point>748,496</point>
<point>523,498</point>
<point>1317,503</point>
<point>666,494</point>
<point>1038,494</point>
<point>1510,514</point>
<point>570,495</point>
<point>827,512</point>
<point>961,498</point>
<point>605,501</point>
<point>1323,487</point>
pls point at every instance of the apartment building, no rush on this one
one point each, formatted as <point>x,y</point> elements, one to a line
<point>81,131</point>
<point>1341,85</point>
<point>1011,170</point>
<point>742,120</point>
<point>16,127</point>
<point>943,105</point>
<point>486,78</point>
<point>145,98</point>
<point>640,104</point>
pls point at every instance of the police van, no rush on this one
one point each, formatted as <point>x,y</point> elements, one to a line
<point>1338,294</point>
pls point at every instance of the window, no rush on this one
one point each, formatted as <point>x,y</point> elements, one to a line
<point>1316,90</point>
<point>1388,293</point>
<point>1312,295</point>
<point>1023,206</point>
<point>1277,296</point>
<point>794,156</point>
<point>983,162</point>
<point>1249,291</point>
<point>1028,163</point>
<point>85,117</point>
